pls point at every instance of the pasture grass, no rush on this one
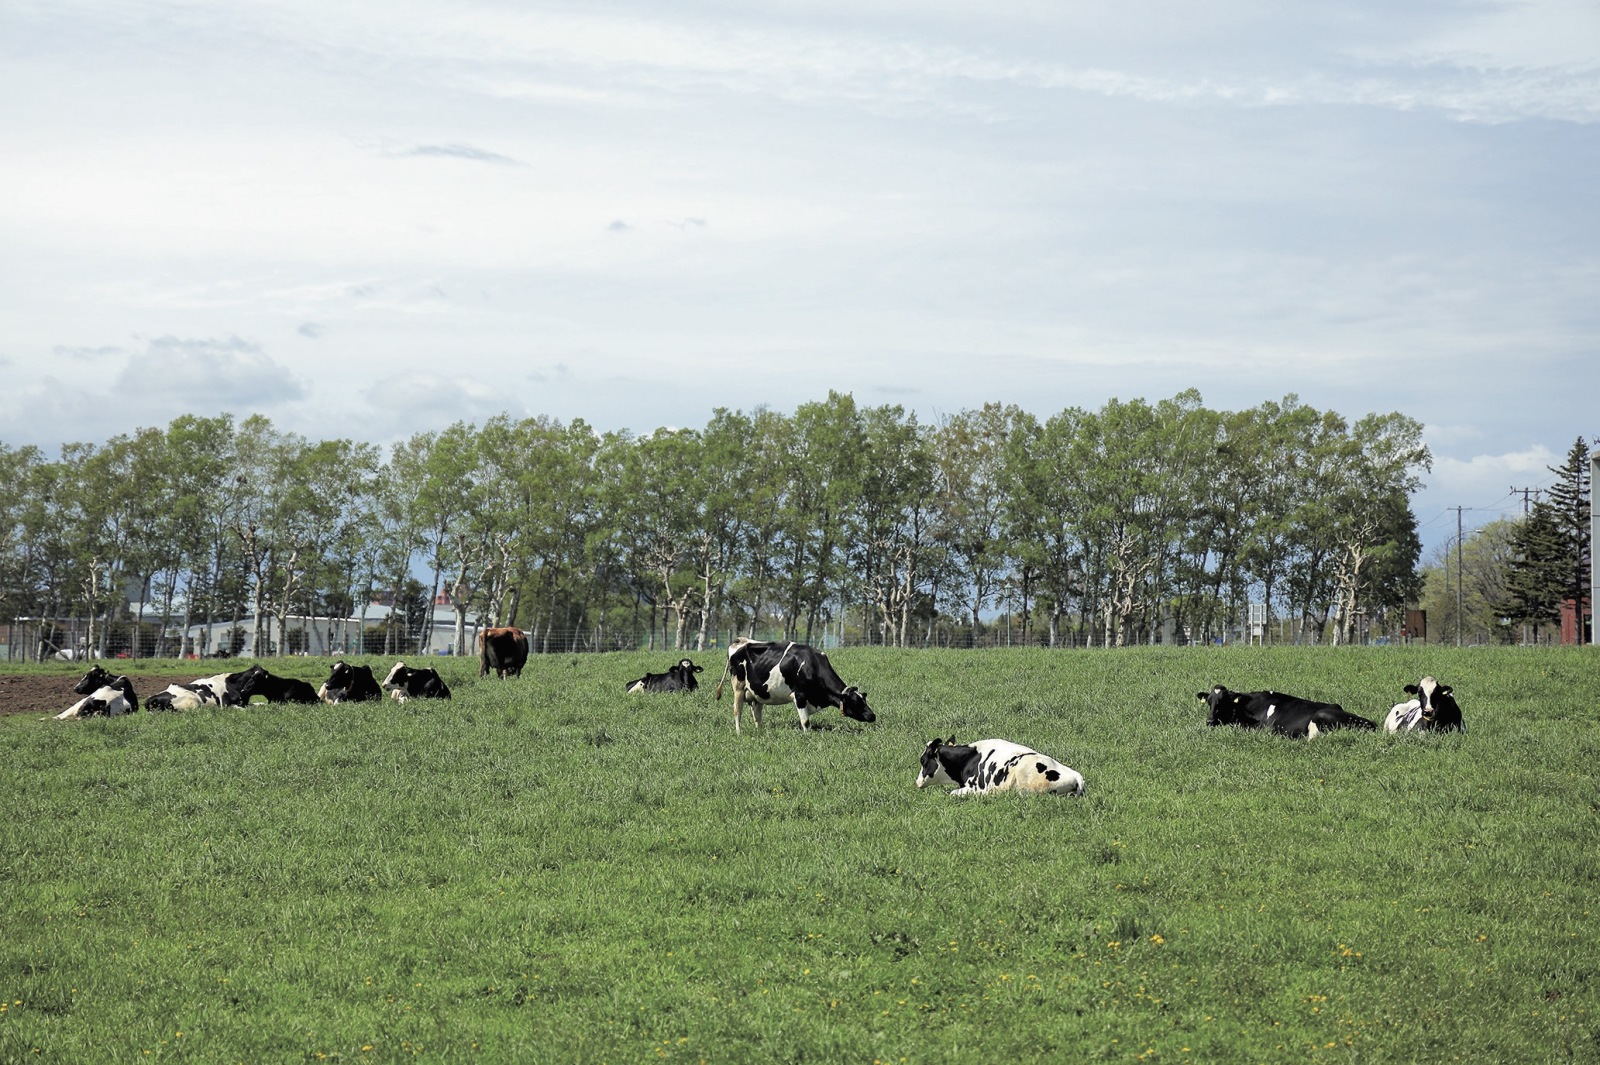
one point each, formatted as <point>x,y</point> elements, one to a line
<point>546,870</point>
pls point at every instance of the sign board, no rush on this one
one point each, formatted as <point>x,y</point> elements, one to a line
<point>1258,614</point>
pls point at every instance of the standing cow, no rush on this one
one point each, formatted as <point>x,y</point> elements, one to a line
<point>782,672</point>
<point>504,650</point>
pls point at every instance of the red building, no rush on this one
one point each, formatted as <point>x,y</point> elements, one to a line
<point>1569,622</point>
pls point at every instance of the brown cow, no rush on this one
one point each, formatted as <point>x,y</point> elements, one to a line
<point>503,650</point>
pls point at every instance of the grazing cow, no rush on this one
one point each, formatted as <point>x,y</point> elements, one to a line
<point>257,681</point>
<point>404,682</point>
<point>983,766</point>
<point>184,697</point>
<point>680,678</point>
<point>102,694</point>
<point>1286,714</point>
<point>1433,710</point>
<point>781,672</point>
<point>503,650</point>
<point>349,684</point>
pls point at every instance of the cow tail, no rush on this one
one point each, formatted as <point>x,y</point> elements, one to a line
<point>724,677</point>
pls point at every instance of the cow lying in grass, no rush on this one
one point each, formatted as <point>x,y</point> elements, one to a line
<point>188,697</point>
<point>1288,715</point>
<point>1433,710</point>
<point>102,694</point>
<point>225,686</point>
<point>350,684</point>
<point>257,681</point>
<point>983,766</point>
<point>679,678</point>
<point>408,682</point>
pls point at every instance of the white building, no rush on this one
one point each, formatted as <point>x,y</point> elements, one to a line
<point>323,636</point>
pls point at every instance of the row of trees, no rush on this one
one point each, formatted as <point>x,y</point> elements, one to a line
<point>1134,522</point>
<point>1505,581</point>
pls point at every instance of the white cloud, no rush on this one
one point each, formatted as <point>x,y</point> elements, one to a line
<point>207,371</point>
<point>1479,476</point>
<point>402,404</point>
<point>368,219</point>
<point>1517,35</point>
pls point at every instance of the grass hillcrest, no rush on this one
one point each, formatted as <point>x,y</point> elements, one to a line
<point>546,869</point>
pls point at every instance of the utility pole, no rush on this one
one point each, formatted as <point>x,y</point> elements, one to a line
<point>1459,619</point>
<point>1526,493</point>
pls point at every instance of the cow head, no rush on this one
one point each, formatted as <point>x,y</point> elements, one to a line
<point>853,704</point>
<point>340,676</point>
<point>249,681</point>
<point>1224,705</point>
<point>932,769</point>
<point>1439,707</point>
<point>686,666</point>
<point>93,681</point>
<point>397,676</point>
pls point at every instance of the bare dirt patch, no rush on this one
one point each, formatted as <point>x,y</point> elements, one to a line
<point>50,694</point>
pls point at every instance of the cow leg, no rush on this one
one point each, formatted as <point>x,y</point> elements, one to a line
<point>805,715</point>
<point>738,707</point>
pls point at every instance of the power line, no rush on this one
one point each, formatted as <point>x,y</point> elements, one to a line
<point>1526,492</point>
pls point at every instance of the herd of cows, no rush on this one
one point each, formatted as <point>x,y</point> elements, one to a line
<point>766,674</point>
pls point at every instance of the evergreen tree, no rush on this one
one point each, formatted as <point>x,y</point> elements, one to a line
<point>1550,559</point>
<point>1569,504</point>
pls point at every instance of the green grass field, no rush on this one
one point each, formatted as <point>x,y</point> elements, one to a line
<point>546,870</point>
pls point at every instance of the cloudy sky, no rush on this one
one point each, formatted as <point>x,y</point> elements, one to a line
<point>366,219</point>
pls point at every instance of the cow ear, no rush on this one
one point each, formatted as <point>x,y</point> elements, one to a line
<point>1202,696</point>
<point>951,742</point>
<point>1410,689</point>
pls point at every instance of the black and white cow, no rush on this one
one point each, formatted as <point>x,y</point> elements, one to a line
<point>504,650</point>
<point>257,681</point>
<point>782,672</point>
<point>184,697</point>
<point>1286,714</point>
<point>102,694</point>
<point>984,766</point>
<point>1433,710</point>
<point>405,682</point>
<point>680,678</point>
<point>349,684</point>
<point>97,677</point>
<point>225,686</point>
